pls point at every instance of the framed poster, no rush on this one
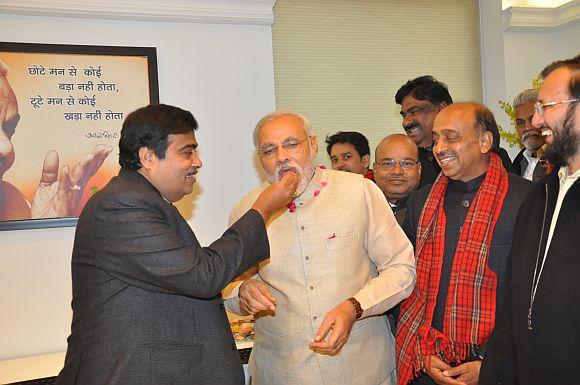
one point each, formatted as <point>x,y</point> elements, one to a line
<point>61,110</point>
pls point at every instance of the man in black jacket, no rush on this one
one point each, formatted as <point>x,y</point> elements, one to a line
<point>537,332</point>
<point>146,302</point>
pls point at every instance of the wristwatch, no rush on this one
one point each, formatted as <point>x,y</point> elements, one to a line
<point>357,308</point>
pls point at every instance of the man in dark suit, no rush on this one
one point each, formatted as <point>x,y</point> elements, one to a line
<point>537,333</point>
<point>397,171</point>
<point>146,303</point>
<point>462,230</point>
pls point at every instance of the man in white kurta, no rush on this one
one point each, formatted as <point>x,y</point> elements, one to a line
<point>338,240</point>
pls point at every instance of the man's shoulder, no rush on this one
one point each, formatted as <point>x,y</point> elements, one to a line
<point>518,186</point>
<point>418,197</point>
<point>125,189</point>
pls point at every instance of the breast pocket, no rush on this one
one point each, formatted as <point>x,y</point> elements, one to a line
<point>342,241</point>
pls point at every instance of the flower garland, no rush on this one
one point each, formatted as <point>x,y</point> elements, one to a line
<point>292,205</point>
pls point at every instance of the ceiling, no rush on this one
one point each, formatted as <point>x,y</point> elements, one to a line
<point>534,3</point>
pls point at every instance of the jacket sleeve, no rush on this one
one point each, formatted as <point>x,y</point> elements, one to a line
<point>137,241</point>
<point>390,251</point>
<point>499,365</point>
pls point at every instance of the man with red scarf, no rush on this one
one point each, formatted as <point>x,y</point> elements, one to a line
<point>462,229</point>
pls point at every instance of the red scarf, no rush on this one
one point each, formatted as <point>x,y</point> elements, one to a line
<point>470,305</point>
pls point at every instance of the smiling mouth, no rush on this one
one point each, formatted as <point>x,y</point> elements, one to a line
<point>191,173</point>
<point>412,130</point>
<point>547,132</point>
<point>446,159</point>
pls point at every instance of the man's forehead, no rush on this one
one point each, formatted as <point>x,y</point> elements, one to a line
<point>281,129</point>
<point>181,140</point>
<point>555,85</point>
<point>397,150</point>
<point>410,102</point>
<point>342,148</point>
<point>454,116</point>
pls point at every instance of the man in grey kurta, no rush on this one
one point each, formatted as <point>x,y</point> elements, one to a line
<point>338,262</point>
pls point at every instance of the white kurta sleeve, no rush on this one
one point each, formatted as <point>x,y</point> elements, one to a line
<point>391,252</point>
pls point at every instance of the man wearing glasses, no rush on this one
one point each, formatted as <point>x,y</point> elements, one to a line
<point>529,163</point>
<point>462,228</point>
<point>338,261</point>
<point>537,334</point>
<point>397,171</point>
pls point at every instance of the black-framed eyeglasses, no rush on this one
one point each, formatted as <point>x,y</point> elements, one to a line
<point>389,164</point>
<point>291,145</point>
<point>539,107</point>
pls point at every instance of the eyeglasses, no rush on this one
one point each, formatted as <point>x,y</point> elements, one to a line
<point>389,164</point>
<point>539,107</point>
<point>269,150</point>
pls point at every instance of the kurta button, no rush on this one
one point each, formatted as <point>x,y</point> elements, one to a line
<point>465,203</point>
<point>314,317</point>
<point>302,227</point>
<point>307,258</point>
<point>311,287</point>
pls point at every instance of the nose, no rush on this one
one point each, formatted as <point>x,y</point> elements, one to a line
<point>439,146</point>
<point>282,155</point>
<point>196,161</point>
<point>6,153</point>
<point>537,120</point>
<point>397,169</point>
<point>407,119</point>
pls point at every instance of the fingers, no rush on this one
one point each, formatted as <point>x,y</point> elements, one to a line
<point>255,297</point>
<point>438,363</point>
<point>338,322</point>
<point>89,164</point>
<point>467,372</point>
<point>290,180</point>
<point>49,169</point>
<point>324,329</point>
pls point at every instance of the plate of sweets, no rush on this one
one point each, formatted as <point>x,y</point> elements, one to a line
<point>243,329</point>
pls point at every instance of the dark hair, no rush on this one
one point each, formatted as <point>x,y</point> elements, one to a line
<point>150,127</point>
<point>358,140</point>
<point>485,121</point>
<point>572,64</point>
<point>424,88</point>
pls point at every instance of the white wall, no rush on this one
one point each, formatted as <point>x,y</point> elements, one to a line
<point>517,44</point>
<point>222,73</point>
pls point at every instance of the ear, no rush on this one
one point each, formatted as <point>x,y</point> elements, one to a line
<point>486,142</point>
<point>146,157</point>
<point>366,159</point>
<point>314,146</point>
<point>442,105</point>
